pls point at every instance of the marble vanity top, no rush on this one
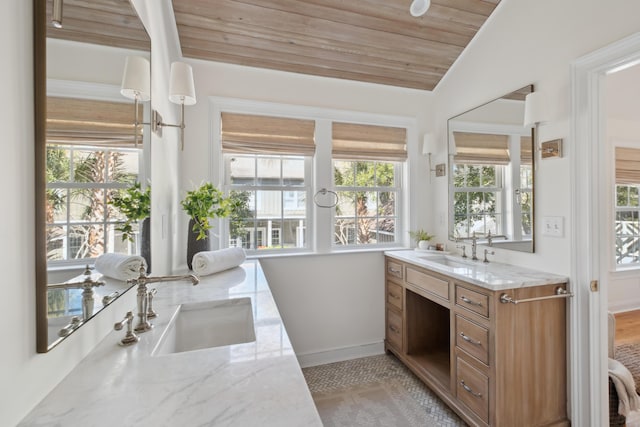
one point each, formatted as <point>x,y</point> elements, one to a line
<point>258,383</point>
<point>494,276</point>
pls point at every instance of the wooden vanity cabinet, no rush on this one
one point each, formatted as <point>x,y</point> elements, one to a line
<point>495,364</point>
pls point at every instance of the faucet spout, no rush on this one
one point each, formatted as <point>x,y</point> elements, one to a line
<point>143,295</point>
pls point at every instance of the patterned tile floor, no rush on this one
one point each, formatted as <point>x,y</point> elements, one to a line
<point>383,369</point>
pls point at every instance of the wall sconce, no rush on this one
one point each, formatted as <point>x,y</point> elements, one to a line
<point>534,114</point>
<point>136,85</point>
<point>428,148</point>
<point>181,91</point>
<point>419,7</point>
<point>56,14</point>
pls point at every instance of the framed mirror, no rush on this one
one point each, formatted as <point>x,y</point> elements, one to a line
<point>491,179</point>
<point>89,147</point>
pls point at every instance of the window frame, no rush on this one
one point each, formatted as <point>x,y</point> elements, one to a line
<point>282,188</point>
<point>396,189</point>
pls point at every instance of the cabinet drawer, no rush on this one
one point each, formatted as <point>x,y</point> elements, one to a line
<point>394,295</point>
<point>471,300</point>
<point>428,283</point>
<point>394,269</point>
<point>472,388</point>
<point>394,329</point>
<point>472,338</point>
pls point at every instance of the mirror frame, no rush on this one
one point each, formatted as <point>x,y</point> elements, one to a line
<point>40,25</point>
<point>450,162</point>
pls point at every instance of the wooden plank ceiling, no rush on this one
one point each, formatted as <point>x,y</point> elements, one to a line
<point>374,41</point>
<point>104,22</point>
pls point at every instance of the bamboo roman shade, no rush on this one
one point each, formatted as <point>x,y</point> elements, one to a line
<point>252,134</point>
<point>354,141</point>
<point>526,150</point>
<point>481,148</point>
<point>73,121</point>
<point>627,165</point>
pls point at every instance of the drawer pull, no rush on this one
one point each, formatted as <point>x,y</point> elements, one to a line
<point>394,329</point>
<point>469,389</point>
<point>391,270</point>
<point>469,340</point>
<point>470,302</point>
<point>394,296</point>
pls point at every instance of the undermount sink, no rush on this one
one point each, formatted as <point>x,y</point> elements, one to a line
<point>207,324</point>
<point>449,261</point>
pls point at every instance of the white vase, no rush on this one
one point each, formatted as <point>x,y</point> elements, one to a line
<point>423,244</point>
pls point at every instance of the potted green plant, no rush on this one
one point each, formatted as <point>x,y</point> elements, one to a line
<point>202,204</point>
<point>421,237</point>
<point>135,204</point>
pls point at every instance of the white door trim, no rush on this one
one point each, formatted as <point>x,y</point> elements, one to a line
<point>589,181</point>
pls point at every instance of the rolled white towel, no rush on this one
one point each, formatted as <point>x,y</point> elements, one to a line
<point>119,266</point>
<point>209,262</point>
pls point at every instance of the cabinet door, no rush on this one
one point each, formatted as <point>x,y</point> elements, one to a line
<point>472,389</point>
<point>394,329</point>
<point>394,295</point>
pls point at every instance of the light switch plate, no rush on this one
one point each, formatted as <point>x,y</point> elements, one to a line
<point>553,226</point>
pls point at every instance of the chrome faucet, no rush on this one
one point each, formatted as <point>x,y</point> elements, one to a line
<point>143,295</point>
<point>474,245</point>
<point>490,237</point>
<point>486,252</point>
<point>87,286</point>
<point>464,254</point>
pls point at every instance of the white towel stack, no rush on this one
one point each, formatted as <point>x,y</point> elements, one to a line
<point>628,398</point>
<point>209,262</point>
<point>119,266</point>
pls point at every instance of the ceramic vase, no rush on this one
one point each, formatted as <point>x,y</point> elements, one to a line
<point>145,242</point>
<point>194,245</point>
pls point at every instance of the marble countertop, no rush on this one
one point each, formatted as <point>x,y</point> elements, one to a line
<point>258,383</point>
<point>494,276</point>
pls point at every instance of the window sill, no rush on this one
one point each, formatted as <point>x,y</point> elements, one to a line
<point>334,251</point>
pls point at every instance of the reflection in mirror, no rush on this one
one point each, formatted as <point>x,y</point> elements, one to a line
<point>88,150</point>
<point>491,184</point>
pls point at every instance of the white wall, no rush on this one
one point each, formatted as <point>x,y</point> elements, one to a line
<point>533,42</point>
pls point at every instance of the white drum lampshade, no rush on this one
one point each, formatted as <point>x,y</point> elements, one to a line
<point>136,80</point>
<point>181,86</point>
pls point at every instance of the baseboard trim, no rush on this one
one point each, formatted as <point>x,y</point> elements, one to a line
<point>340,354</point>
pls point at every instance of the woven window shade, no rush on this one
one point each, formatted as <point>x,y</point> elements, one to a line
<point>627,165</point>
<point>481,148</point>
<point>73,121</point>
<point>526,153</point>
<point>370,142</point>
<point>251,134</point>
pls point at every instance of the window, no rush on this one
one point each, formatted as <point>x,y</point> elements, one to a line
<point>267,173</point>
<point>627,207</point>
<point>271,193</point>
<point>477,196</point>
<point>276,166</point>
<point>367,183</point>
<point>492,184</point>
<point>80,183</point>
<point>91,154</point>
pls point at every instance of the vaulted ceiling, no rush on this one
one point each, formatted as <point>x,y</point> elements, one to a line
<point>374,41</point>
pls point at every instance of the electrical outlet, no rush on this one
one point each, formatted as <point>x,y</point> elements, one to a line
<point>553,226</point>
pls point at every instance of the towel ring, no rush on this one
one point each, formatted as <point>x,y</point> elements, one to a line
<point>324,191</point>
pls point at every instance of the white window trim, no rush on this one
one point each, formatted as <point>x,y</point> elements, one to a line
<point>320,220</point>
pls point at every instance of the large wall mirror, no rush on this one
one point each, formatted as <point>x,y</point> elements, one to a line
<point>88,149</point>
<point>491,180</point>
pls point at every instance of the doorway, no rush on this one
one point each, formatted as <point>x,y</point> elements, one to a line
<point>592,196</point>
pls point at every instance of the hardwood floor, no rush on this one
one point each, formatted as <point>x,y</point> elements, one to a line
<point>627,327</point>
